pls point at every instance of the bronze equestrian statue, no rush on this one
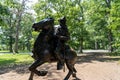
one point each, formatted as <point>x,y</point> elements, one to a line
<point>43,50</point>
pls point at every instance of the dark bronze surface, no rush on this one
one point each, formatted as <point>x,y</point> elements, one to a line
<point>50,46</point>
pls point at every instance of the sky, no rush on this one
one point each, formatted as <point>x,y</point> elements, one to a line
<point>29,4</point>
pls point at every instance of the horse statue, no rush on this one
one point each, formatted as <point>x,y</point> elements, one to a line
<point>43,50</point>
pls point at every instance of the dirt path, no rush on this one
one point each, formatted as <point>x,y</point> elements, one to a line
<point>92,66</point>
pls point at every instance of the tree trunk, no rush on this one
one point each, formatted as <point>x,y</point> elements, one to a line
<point>81,40</point>
<point>20,12</point>
<point>10,44</point>
<point>96,45</point>
<point>16,41</point>
<point>17,34</point>
<point>110,35</point>
<point>110,38</point>
<point>28,46</point>
<point>81,45</point>
<point>10,34</point>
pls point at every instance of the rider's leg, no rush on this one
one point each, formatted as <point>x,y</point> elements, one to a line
<point>59,57</point>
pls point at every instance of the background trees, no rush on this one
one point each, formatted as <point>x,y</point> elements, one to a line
<point>93,24</point>
<point>18,23</point>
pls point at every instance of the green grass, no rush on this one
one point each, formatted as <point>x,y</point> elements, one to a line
<point>17,59</point>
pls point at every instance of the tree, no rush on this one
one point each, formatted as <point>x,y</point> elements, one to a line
<point>3,12</point>
<point>13,22</point>
<point>93,24</point>
<point>20,10</point>
<point>26,31</point>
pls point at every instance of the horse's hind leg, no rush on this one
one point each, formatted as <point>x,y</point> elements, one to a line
<point>68,75</point>
<point>74,72</point>
<point>31,75</point>
<point>70,68</point>
<point>74,69</point>
<point>33,67</point>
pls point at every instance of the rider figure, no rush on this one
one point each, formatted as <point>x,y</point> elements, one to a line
<point>62,37</point>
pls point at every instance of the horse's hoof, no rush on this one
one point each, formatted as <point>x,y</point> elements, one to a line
<point>30,79</point>
<point>73,75</point>
<point>43,73</point>
<point>76,79</point>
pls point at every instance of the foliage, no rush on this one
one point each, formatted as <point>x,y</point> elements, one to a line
<point>93,24</point>
<point>3,11</point>
<point>17,30</point>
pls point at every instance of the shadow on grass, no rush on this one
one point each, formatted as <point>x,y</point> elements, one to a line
<point>11,65</point>
<point>5,52</point>
<point>6,62</point>
<point>102,57</point>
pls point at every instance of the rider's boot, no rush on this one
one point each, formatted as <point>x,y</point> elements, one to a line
<point>59,65</point>
<point>60,62</point>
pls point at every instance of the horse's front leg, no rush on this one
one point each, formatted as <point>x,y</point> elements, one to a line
<point>31,75</point>
<point>33,67</point>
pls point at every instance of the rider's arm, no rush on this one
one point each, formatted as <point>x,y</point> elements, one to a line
<point>66,36</point>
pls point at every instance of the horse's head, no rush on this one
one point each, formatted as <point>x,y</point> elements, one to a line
<point>43,24</point>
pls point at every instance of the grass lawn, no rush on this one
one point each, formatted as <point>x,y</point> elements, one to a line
<point>7,60</point>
